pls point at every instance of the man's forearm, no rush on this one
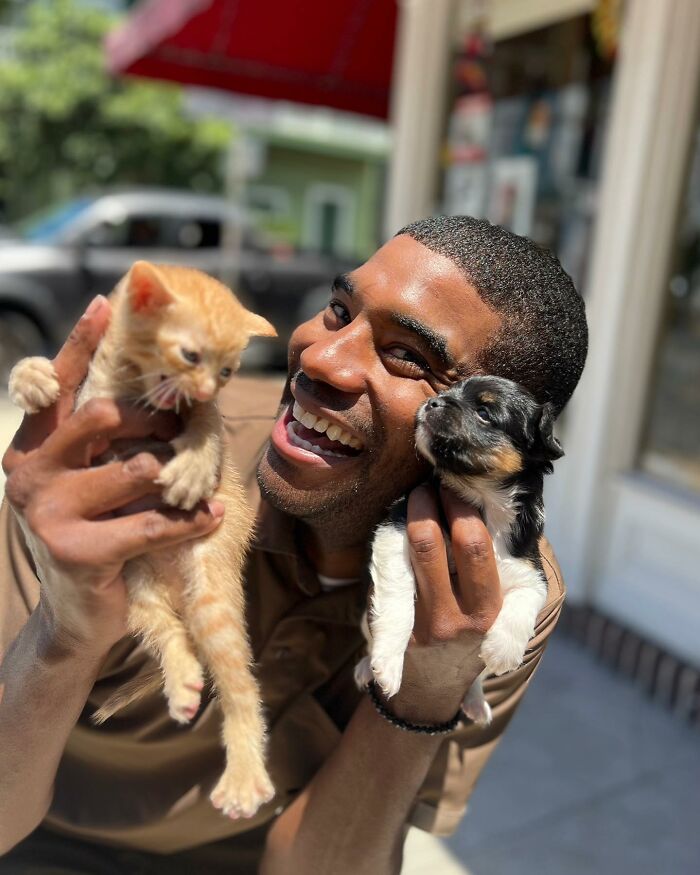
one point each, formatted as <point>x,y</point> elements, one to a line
<point>351,818</point>
<point>43,689</point>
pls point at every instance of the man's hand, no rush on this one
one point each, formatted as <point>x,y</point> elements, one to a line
<point>453,614</point>
<point>85,522</point>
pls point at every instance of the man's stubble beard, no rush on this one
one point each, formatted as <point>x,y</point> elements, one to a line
<point>346,518</point>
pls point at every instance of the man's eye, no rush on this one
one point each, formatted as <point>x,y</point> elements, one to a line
<point>339,311</point>
<point>407,360</point>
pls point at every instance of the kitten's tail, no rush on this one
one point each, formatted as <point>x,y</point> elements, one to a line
<point>128,693</point>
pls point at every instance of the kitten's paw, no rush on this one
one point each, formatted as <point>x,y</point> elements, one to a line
<point>363,673</point>
<point>185,482</point>
<point>183,690</point>
<point>387,671</point>
<point>240,792</point>
<point>33,384</point>
<point>503,649</point>
<point>477,708</point>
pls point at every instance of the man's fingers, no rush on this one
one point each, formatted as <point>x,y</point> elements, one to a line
<point>139,533</point>
<point>478,585</point>
<point>71,364</point>
<point>73,359</point>
<point>116,484</point>
<point>88,431</point>
<point>436,605</point>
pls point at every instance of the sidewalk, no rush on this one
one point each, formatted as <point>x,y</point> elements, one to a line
<point>590,779</point>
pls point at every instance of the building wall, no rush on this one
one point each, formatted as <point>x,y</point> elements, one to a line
<point>303,175</point>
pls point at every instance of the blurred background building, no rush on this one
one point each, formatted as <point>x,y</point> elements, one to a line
<point>277,143</point>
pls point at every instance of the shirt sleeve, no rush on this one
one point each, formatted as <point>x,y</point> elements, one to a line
<point>19,586</point>
<point>443,798</point>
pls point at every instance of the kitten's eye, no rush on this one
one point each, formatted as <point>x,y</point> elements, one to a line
<point>484,414</point>
<point>190,356</point>
<point>225,373</point>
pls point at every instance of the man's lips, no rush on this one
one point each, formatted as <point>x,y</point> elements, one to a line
<point>303,445</point>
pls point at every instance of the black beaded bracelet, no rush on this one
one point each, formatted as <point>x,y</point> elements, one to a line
<point>407,726</point>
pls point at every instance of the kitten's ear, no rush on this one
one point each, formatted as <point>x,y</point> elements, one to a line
<point>257,326</point>
<point>146,288</point>
<point>548,446</point>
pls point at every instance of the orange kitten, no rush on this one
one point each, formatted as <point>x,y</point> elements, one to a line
<point>174,339</point>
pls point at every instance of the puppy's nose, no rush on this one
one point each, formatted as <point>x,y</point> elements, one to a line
<point>441,401</point>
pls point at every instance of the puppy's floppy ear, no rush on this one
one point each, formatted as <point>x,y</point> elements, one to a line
<point>546,446</point>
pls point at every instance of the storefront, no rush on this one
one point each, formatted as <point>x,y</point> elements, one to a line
<point>587,139</point>
<point>574,122</point>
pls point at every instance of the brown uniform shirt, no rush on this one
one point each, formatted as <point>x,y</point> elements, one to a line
<point>142,781</point>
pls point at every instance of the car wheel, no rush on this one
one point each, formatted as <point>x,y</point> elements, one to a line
<point>20,336</point>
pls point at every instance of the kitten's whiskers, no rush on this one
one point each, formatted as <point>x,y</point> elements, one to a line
<point>158,393</point>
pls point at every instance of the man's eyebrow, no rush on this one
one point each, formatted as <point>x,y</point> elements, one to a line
<point>344,284</point>
<point>434,341</point>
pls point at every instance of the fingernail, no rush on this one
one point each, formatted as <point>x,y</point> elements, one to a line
<point>95,305</point>
<point>216,509</point>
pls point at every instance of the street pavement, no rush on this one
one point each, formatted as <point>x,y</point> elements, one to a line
<point>591,778</point>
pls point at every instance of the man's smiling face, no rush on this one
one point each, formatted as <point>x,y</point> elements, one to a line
<point>398,330</point>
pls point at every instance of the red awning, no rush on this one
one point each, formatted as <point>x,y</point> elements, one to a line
<point>335,53</point>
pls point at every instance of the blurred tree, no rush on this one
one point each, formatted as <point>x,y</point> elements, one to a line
<point>67,126</point>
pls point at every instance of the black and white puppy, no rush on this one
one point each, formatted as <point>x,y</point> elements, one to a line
<point>491,443</point>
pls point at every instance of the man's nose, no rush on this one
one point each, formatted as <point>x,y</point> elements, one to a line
<point>340,359</point>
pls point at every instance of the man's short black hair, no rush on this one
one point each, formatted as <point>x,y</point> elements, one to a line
<point>544,337</point>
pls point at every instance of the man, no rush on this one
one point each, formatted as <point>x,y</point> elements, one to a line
<point>445,298</point>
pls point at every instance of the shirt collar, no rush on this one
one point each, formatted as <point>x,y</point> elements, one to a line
<point>277,532</point>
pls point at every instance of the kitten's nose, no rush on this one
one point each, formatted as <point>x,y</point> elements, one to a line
<point>206,391</point>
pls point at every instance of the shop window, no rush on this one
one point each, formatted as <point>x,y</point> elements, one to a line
<point>525,132</point>
<point>671,445</point>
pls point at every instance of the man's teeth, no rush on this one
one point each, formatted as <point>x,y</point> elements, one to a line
<point>323,426</point>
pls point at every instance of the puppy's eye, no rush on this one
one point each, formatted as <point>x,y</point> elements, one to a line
<point>225,373</point>
<point>484,414</point>
<point>190,356</point>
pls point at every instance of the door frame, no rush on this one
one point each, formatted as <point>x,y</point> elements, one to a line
<point>628,543</point>
<point>344,197</point>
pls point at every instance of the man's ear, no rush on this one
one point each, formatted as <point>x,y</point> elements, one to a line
<point>146,288</point>
<point>257,326</point>
<point>546,445</point>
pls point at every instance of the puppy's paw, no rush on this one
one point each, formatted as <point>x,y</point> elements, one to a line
<point>363,673</point>
<point>33,384</point>
<point>240,792</point>
<point>183,690</point>
<point>387,671</point>
<point>185,481</point>
<point>503,648</point>
<point>476,707</point>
